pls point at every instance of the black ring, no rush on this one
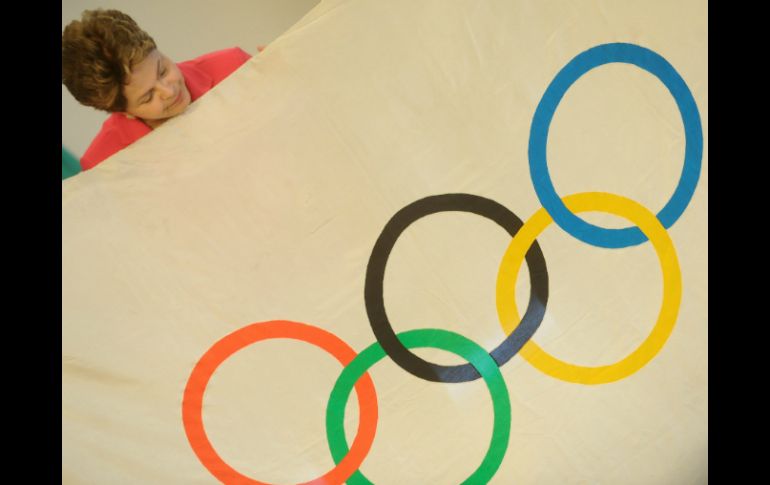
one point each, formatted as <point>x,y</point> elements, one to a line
<point>375,274</point>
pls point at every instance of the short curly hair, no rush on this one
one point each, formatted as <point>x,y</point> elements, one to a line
<point>97,53</point>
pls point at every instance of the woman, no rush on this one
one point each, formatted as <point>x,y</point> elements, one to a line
<point>109,63</point>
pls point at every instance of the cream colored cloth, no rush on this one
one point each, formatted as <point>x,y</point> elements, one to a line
<point>264,200</point>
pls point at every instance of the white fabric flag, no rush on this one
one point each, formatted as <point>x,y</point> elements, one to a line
<point>264,202</point>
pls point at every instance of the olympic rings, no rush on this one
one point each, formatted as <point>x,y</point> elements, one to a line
<point>375,274</point>
<point>538,140</point>
<point>672,288</point>
<point>192,403</point>
<point>439,339</point>
<point>523,246</point>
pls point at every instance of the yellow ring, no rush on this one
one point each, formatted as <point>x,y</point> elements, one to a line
<point>672,289</point>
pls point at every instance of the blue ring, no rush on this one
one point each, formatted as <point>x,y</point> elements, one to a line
<point>541,121</point>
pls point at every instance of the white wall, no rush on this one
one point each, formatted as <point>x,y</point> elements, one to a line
<point>183,29</point>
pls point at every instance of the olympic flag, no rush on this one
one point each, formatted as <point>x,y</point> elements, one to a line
<point>411,242</point>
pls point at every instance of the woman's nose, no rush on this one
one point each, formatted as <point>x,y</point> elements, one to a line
<point>165,90</point>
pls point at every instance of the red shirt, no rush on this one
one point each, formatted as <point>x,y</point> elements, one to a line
<point>200,75</point>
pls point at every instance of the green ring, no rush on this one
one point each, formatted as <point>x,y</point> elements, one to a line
<point>439,339</point>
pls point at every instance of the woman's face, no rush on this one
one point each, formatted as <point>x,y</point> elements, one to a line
<point>156,90</point>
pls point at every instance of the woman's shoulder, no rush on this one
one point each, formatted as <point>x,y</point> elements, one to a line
<point>116,133</point>
<point>232,55</point>
<point>216,65</point>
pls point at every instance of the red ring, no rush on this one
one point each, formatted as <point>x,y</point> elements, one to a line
<point>192,403</point>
